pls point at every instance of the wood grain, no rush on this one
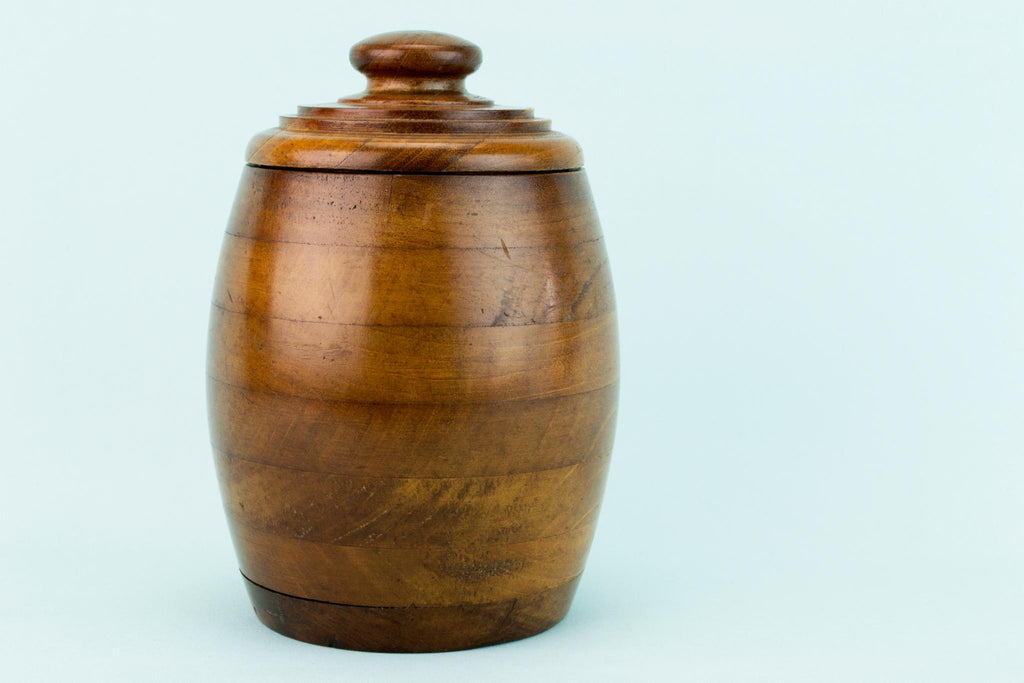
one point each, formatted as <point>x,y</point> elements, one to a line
<point>408,512</point>
<point>412,364</point>
<point>412,374</point>
<point>394,286</point>
<point>412,440</point>
<point>400,210</point>
<point>411,629</point>
<point>415,115</point>
<point>402,577</point>
<point>487,152</point>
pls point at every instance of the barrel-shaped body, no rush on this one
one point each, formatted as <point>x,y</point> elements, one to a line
<point>412,390</point>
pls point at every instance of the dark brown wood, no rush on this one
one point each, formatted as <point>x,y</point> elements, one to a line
<point>411,629</point>
<point>412,376</point>
<point>416,65</point>
<point>415,115</point>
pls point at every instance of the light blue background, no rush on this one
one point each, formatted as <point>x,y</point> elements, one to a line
<point>814,214</point>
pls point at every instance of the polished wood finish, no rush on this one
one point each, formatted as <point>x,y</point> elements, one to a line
<point>411,629</point>
<point>421,439</point>
<point>412,376</point>
<point>415,116</point>
<point>416,66</point>
<point>393,210</point>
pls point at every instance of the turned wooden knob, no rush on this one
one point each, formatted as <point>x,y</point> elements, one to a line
<point>415,62</point>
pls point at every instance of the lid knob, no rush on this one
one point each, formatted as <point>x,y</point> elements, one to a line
<point>415,62</point>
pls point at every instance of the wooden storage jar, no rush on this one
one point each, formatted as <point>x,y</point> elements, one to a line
<point>413,366</point>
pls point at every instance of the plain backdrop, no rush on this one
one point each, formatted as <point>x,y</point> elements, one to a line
<point>815,218</point>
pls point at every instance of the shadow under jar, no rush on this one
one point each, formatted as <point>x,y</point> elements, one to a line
<point>413,365</point>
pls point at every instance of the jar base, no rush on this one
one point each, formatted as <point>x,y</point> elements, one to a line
<point>410,629</point>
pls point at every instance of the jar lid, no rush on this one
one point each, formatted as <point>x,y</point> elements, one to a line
<point>415,116</point>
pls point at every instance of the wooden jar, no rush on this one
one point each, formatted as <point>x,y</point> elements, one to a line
<point>413,367</point>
